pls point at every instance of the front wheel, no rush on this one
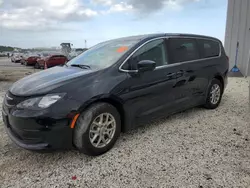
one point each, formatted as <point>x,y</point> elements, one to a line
<point>214,94</point>
<point>97,129</point>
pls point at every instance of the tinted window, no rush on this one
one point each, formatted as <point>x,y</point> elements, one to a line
<point>183,49</point>
<point>154,51</point>
<point>58,57</point>
<point>209,48</point>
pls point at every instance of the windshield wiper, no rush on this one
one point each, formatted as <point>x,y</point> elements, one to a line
<point>81,66</point>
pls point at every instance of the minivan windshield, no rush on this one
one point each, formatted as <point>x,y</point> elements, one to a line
<point>103,55</point>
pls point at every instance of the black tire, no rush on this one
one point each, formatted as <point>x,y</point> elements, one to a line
<point>82,128</point>
<point>37,66</point>
<point>209,104</point>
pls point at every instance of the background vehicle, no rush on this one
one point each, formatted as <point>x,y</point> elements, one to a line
<point>51,61</point>
<point>16,58</point>
<point>30,59</point>
<point>112,87</point>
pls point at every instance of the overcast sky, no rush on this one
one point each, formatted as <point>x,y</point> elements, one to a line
<point>46,23</point>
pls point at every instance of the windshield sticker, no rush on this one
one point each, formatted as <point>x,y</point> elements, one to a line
<point>122,49</point>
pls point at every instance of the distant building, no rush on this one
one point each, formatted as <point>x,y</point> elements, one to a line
<point>66,48</point>
<point>237,38</point>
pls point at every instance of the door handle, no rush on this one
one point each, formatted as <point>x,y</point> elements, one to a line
<point>180,73</point>
<point>171,74</point>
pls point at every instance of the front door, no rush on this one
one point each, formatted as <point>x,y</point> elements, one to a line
<point>150,94</point>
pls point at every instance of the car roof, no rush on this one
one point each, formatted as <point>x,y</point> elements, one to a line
<point>151,36</point>
<point>56,54</point>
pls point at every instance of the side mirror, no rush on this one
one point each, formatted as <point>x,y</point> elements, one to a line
<point>146,65</point>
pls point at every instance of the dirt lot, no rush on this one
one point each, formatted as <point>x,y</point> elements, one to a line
<point>198,148</point>
<point>13,71</point>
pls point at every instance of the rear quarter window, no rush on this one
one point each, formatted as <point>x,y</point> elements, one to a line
<point>209,48</point>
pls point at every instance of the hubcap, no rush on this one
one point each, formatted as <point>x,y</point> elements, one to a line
<point>215,94</point>
<point>102,130</point>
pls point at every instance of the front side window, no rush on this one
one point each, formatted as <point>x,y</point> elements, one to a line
<point>104,54</point>
<point>209,48</point>
<point>183,49</point>
<point>154,51</point>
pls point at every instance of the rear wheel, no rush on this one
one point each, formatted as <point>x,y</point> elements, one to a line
<point>214,94</point>
<point>37,66</point>
<point>97,129</point>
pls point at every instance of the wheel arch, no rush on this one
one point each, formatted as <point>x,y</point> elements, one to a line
<point>114,101</point>
<point>220,78</point>
<point>216,76</point>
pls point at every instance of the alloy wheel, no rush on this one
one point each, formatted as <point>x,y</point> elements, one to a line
<point>102,130</point>
<point>215,94</point>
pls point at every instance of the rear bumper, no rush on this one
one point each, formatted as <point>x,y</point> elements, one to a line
<point>38,133</point>
<point>226,81</point>
<point>31,62</point>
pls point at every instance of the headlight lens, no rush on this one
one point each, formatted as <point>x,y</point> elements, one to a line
<point>48,100</point>
<point>29,103</point>
<point>40,102</point>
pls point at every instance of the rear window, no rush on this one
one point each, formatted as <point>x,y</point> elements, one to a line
<point>183,49</point>
<point>58,56</point>
<point>209,48</point>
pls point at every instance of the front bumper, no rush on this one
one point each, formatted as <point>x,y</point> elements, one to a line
<point>28,146</point>
<point>38,133</point>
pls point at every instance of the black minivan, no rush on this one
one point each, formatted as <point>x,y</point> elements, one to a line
<point>114,86</point>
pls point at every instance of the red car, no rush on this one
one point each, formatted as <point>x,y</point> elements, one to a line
<point>30,59</point>
<point>51,61</point>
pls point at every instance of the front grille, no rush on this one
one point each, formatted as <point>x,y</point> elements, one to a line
<point>12,100</point>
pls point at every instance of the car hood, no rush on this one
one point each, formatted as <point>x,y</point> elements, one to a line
<point>44,81</point>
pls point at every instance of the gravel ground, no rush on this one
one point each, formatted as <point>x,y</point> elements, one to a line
<point>198,148</point>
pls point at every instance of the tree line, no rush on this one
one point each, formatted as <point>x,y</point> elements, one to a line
<point>7,48</point>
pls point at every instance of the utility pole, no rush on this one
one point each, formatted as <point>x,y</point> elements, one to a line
<point>85,43</point>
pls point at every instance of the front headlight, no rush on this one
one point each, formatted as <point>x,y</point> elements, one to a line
<point>40,102</point>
